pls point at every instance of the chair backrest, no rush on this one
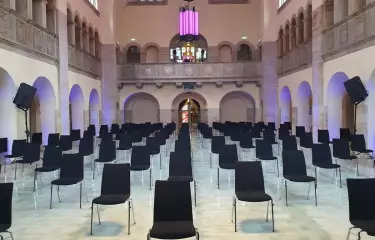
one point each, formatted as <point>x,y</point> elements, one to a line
<point>18,147</point>
<point>307,140</point>
<point>72,166</point>
<point>86,146</point>
<point>263,148</point>
<point>180,165</point>
<point>269,135</point>
<point>294,163</point>
<point>361,196</point>
<point>52,156</point>
<point>3,145</point>
<point>140,156</point>
<point>321,154</point>
<point>116,179</point>
<point>290,143</point>
<point>249,177</point>
<point>53,139</point>
<point>6,195</point>
<point>66,142</point>
<point>32,152</point>
<point>228,155</point>
<point>125,141</point>
<point>75,134</point>
<point>358,142</point>
<point>323,136</point>
<point>107,150</point>
<point>37,137</point>
<point>172,201</point>
<point>216,143</point>
<point>341,149</point>
<point>345,133</point>
<point>300,131</point>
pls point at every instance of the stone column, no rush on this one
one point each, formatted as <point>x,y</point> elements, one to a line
<point>269,84</point>
<point>341,9</point>
<point>10,4</point>
<point>355,6</point>
<point>64,89</point>
<point>318,109</point>
<point>108,62</point>
<point>72,33</point>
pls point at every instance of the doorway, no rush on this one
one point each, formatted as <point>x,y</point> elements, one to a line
<point>189,112</point>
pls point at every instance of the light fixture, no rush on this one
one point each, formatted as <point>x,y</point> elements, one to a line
<point>132,39</point>
<point>243,38</point>
<point>189,27</point>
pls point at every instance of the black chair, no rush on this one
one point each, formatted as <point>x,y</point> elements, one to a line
<point>53,139</point>
<point>6,195</point>
<point>227,160</point>
<point>71,173</point>
<point>51,162</point>
<point>263,152</point>
<point>306,141</point>
<point>37,138</point>
<point>173,216</point>
<point>300,131</point>
<point>107,153</point>
<point>361,196</point>
<point>66,143</point>
<point>180,169</point>
<point>115,189</point>
<point>31,155</point>
<point>249,187</point>
<point>18,149</point>
<point>323,136</point>
<point>341,150</point>
<point>217,143</point>
<point>358,145</point>
<point>246,142</point>
<point>322,158</point>
<point>140,160</point>
<point>345,133</point>
<point>290,143</point>
<point>294,170</point>
<point>153,148</point>
<point>125,143</point>
<point>3,147</point>
<point>75,134</point>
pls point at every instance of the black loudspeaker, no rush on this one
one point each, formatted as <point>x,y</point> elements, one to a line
<point>24,96</point>
<point>356,90</point>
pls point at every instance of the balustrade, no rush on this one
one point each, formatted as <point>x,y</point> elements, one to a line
<point>83,61</point>
<point>296,59</point>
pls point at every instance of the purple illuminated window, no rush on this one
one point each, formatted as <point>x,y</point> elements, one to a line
<point>189,25</point>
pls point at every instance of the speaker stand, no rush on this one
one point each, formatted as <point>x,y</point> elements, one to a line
<point>355,118</point>
<point>27,130</point>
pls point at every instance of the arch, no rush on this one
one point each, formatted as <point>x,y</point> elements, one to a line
<point>70,25</point>
<point>340,110</point>
<point>141,107</point>
<point>91,40</point>
<point>293,33</point>
<point>43,109</point>
<point>192,95</point>
<point>286,38</point>
<point>281,41</point>
<point>76,100</point>
<point>225,53</point>
<point>97,43</point>
<point>176,51</point>
<point>94,108</point>
<point>301,27</point>
<point>244,110</point>
<point>50,16</point>
<point>77,29</point>
<point>304,117</point>
<point>285,105</point>
<point>242,42</point>
<point>244,53</point>
<point>85,45</point>
<point>8,118</point>
<point>151,51</point>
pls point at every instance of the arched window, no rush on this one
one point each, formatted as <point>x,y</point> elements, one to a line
<point>133,55</point>
<point>281,42</point>
<point>244,53</point>
<point>282,2</point>
<point>293,34</point>
<point>94,3</point>
<point>78,36</point>
<point>301,28</point>
<point>180,51</point>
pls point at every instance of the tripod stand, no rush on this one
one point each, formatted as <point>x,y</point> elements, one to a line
<point>27,131</point>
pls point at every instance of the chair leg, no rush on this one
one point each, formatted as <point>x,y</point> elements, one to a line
<point>15,172</point>
<point>50,201</point>
<point>235,214</point>
<point>150,178</point>
<point>197,234</point>
<point>92,213</point>
<point>359,235</point>
<point>132,207</point>
<point>35,179</point>
<point>160,159</point>
<point>308,191</point>
<point>195,193</point>
<point>128,217</point>
<point>316,199</point>
<point>80,195</point>
<point>316,174</point>
<point>340,177</point>
<point>286,193</point>
<point>273,217</point>
<point>349,231</point>
<point>148,236</point>
<point>97,211</point>
<point>93,171</point>
<point>218,178</point>
<point>277,166</point>
<point>268,205</point>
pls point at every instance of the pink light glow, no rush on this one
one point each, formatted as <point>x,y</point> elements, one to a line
<point>191,21</point>
<point>196,24</point>
<point>182,24</point>
<point>186,23</point>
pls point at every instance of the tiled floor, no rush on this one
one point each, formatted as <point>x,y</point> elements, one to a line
<point>32,218</point>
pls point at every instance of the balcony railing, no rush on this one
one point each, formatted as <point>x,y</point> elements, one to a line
<point>17,31</point>
<point>84,62</point>
<point>354,30</point>
<point>296,60</point>
<point>245,71</point>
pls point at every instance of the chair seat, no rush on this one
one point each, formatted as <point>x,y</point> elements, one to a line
<point>347,158</point>
<point>181,178</point>
<point>124,149</point>
<point>138,168</point>
<point>172,230</point>
<point>24,161</point>
<point>366,151</point>
<point>46,169</point>
<point>367,226</point>
<point>11,156</point>
<point>4,227</point>
<point>253,196</point>
<point>66,182</point>
<point>327,165</point>
<point>154,152</point>
<point>246,146</point>
<point>227,166</point>
<point>111,199</point>
<point>103,160</point>
<point>300,178</point>
<point>267,158</point>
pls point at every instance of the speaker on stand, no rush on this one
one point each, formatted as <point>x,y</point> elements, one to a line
<point>23,99</point>
<point>357,94</point>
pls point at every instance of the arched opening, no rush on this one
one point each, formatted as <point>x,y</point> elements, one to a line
<point>301,28</point>
<point>51,16</point>
<point>281,42</point>
<point>91,41</point>
<point>97,44</point>
<point>237,106</point>
<point>286,108</point>
<point>244,53</point>
<point>70,26</point>
<point>152,54</point>
<point>340,109</point>
<point>133,54</point>
<point>94,108</point>
<point>200,111</point>
<point>141,107</point>
<point>8,116</point>
<point>77,34</point>
<point>286,39</point>
<point>293,40</point>
<point>309,23</point>
<point>180,51</point>
<point>304,105</point>
<point>76,105</point>
<point>225,53</point>
<point>43,109</point>
<point>189,112</point>
<point>85,37</point>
